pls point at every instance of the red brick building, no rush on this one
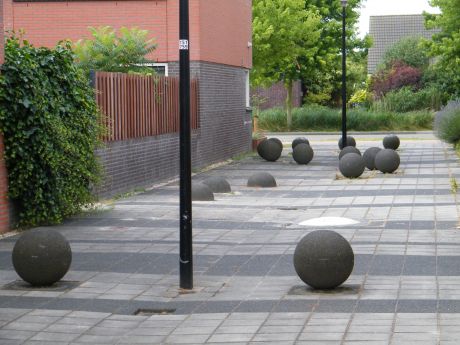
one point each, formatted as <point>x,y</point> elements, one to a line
<point>4,209</point>
<point>221,56</point>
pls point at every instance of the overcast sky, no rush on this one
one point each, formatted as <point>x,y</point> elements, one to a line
<point>385,7</point>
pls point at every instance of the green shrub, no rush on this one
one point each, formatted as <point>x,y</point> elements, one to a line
<point>49,119</point>
<point>319,118</point>
<point>405,100</point>
<point>447,123</point>
<point>109,52</point>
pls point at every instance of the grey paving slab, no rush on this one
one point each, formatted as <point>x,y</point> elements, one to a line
<point>404,289</point>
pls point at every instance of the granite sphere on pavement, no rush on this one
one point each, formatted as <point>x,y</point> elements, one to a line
<point>387,161</point>
<point>349,149</point>
<point>270,150</point>
<point>350,142</point>
<point>299,140</point>
<point>369,157</point>
<point>323,259</point>
<point>391,142</point>
<point>42,257</point>
<point>302,153</point>
<point>352,165</point>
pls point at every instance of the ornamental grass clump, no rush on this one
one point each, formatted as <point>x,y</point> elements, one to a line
<point>447,122</point>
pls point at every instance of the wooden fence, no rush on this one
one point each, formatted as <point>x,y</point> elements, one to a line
<point>138,106</point>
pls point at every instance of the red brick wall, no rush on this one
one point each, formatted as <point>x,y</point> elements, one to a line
<point>226,31</point>
<point>275,96</point>
<point>4,211</point>
<point>219,29</point>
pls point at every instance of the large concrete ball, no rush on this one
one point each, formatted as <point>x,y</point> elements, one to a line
<point>352,165</point>
<point>350,142</point>
<point>42,257</point>
<point>299,140</point>
<point>262,179</point>
<point>323,259</point>
<point>218,184</point>
<point>269,150</point>
<point>279,142</point>
<point>302,153</point>
<point>349,149</point>
<point>201,192</point>
<point>387,161</point>
<point>261,147</point>
<point>391,142</point>
<point>369,157</point>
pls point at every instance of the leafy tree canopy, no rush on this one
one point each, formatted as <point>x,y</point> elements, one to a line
<point>285,43</point>
<point>110,52</point>
<point>408,50</point>
<point>445,45</point>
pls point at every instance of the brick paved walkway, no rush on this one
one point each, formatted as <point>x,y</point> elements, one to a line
<point>405,287</point>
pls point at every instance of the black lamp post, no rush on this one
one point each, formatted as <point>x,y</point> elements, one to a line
<point>185,259</point>
<point>344,76</point>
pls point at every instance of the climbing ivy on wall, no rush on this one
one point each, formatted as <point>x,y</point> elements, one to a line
<point>49,120</point>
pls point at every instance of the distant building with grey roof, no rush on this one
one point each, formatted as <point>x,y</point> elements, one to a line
<point>387,30</point>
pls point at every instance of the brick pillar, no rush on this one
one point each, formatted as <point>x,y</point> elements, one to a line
<point>4,208</point>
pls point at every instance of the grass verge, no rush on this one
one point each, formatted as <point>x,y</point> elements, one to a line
<point>318,118</point>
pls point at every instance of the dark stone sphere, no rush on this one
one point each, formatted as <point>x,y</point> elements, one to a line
<point>349,149</point>
<point>369,157</point>
<point>387,161</point>
<point>42,257</point>
<point>323,259</point>
<point>352,165</point>
<point>391,142</point>
<point>201,192</point>
<point>269,150</point>
<point>299,140</point>
<point>218,184</point>
<point>262,179</point>
<point>279,142</point>
<point>302,153</point>
<point>350,142</point>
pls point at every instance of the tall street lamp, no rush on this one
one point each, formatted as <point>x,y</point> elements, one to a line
<point>344,76</point>
<point>186,255</point>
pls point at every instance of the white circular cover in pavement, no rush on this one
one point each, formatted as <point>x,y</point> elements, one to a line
<point>329,221</point>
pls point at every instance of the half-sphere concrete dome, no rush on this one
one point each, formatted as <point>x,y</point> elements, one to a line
<point>262,179</point>
<point>201,192</point>
<point>218,184</point>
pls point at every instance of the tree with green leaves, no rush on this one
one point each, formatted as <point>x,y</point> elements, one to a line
<point>107,51</point>
<point>445,45</point>
<point>324,86</point>
<point>285,44</point>
<point>409,51</point>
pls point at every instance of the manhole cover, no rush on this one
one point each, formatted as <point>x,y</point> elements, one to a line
<point>329,221</point>
<point>159,311</point>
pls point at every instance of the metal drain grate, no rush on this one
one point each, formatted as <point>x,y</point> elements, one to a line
<point>160,311</point>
